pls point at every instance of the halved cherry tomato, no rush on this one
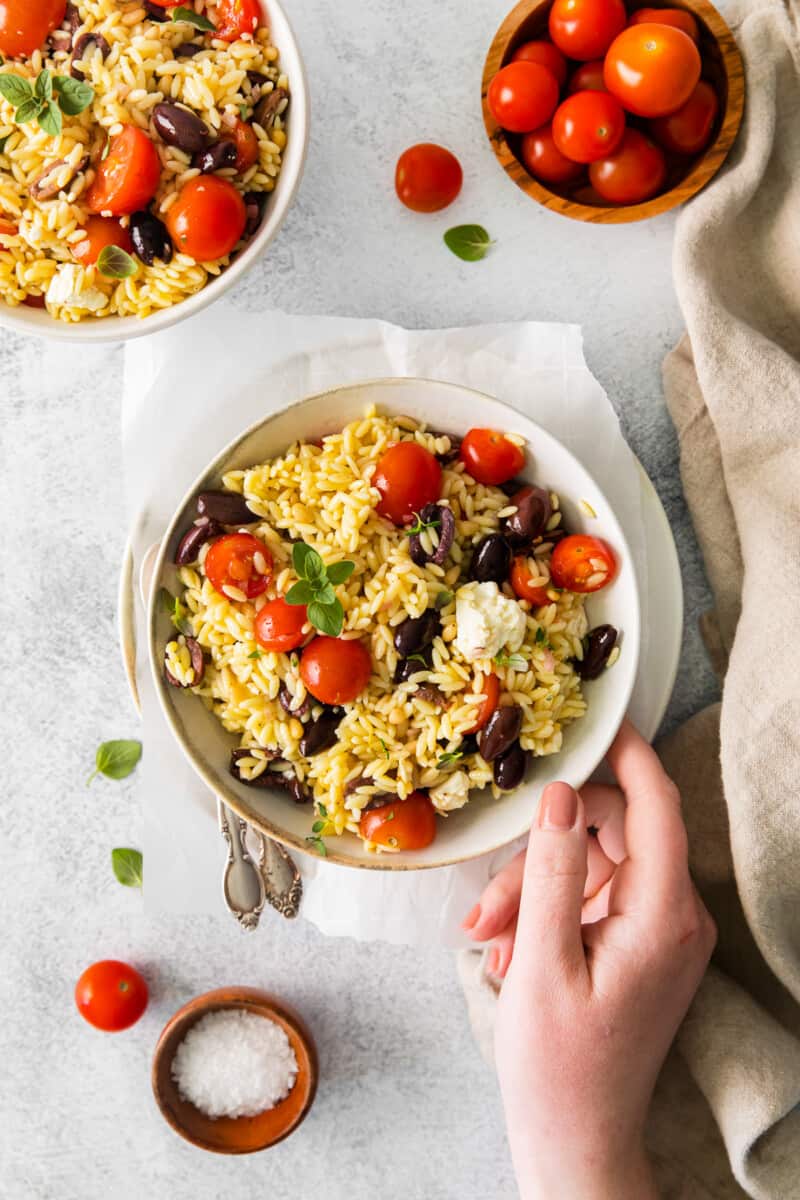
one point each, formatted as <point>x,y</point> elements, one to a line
<point>335,671</point>
<point>8,228</point>
<point>231,562</point>
<point>207,219</point>
<point>688,129</point>
<point>408,824</point>
<point>588,126</point>
<point>678,17</point>
<point>585,29</point>
<point>547,55</point>
<point>491,457</point>
<point>101,232</point>
<point>634,172</point>
<point>582,564</point>
<point>587,78</point>
<point>128,176</point>
<point>544,160</point>
<point>522,96</point>
<point>279,626</point>
<point>491,695</point>
<point>408,477</point>
<point>244,139</point>
<point>427,177</point>
<point>521,581</point>
<point>24,26</point>
<point>111,995</point>
<point>235,17</point>
<point>652,69</point>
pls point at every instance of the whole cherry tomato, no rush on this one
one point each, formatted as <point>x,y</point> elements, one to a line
<point>634,172</point>
<point>239,561</point>
<point>547,55</point>
<point>588,77</point>
<point>491,457</point>
<point>544,160</point>
<point>111,995</point>
<point>491,696</point>
<point>522,96</point>
<point>652,69</point>
<point>128,176</point>
<point>584,29</point>
<point>521,580</point>
<point>688,130</point>
<point>588,126</point>
<point>207,219</point>
<point>582,564</point>
<point>679,17</point>
<point>99,233</point>
<point>236,17</point>
<point>427,177</point>
<point>24,26</point>
<point>279,626</point>
<point>335,671</point>
<point>408,824</point>
<point>408,477</point>
<point>244,139</point>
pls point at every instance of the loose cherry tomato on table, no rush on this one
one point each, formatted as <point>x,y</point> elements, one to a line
<point>584,29</point>
<point>408,477</point>
<point>427,177</point>
<point>335,670</point>
<point>491,457</point>
<point>24,26</point>
<point>408,824</point>
<point>491,696</point>
<point>522,96</point>
<point>245,140</point>
<point>111,995</point>
<point>652,69</point>
<point>521,580</point>
<point>128,177</point>
<point>279,626</point>
<point>679,17</point>
<point>581,563</point>
<point>634,172</point>
<point>234,561</point>
<point>588,77</point>
<point>544,160</point>
<point>235,17</point>
<point>207,219</point>
<point>99,233</point>
<point>547,55</point>
<point>588,126</point>
<point>688,129</point>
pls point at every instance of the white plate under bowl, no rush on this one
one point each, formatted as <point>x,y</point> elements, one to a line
<point>123,329</point>
<point>484,824</point>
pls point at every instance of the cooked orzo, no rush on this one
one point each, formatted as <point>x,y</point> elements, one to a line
<point>138,144</point>
<point>387,619</point>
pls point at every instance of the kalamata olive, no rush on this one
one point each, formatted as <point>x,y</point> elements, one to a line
<point>432,694</point>
<point>468,744</point>
<point>150,238</point>
<point>533,512</point>
<point>509,767</point>
<point>598,644</point>
<point>378,801</point>
<point>187,50</point>
<point>287,700</point>
<point>291,784</point>
<point>445,529</point>
<point>416,632</point>
<point>320,735</point>
<point>194,539</point>
<point>198,665</point>
<point>155,13</point>
<point>499,732</point>
<point>214,158</point>
<point>491,559</point>
<point>82,46</point>
<point>228,508</point>
<point>254,211</point>
<point>269,779</point>
<point>270,106</point>
<point>421,660</point>
<point>179,127</point>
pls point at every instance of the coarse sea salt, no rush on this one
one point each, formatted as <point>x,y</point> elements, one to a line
<point>234,1063</point>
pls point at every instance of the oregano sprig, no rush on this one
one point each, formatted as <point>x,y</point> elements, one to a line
<point>46,99</point>
<point>315,588</point>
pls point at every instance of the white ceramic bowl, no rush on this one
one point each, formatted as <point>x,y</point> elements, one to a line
<point>121,329</point>
<point>484,824</point>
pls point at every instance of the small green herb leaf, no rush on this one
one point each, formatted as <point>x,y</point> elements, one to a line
<point>73,95</point>
<point>4,143</point>
<point>327,618</point>
<point>541,636</point>
<point>384,747</point>
<point>255,654</point>
<point>27,112</point>
<point>318,844</point>
<point>50,118</point>
<point>116,760</point>
<point>243,112</point>
<point>193,18</point>
<point>43,88</point>
<point>324,594</point>
<point>300,593</point>
<point>15,89</point>
<point>515,661</point>
<point>442,600</point>
<point>127,865</point>
<point>318,826</point>
<point>419,524</point>
<point>301,553</point>
<point>322,810</point>
<point>115,263</point>
<point>339,572</point>
<point>315,588</point>
<point>452,756</point>
<point>468,242</point>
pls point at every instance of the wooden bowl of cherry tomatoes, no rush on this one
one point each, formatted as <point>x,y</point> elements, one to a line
<point>609,111</point>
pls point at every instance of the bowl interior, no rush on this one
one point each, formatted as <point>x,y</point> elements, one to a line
<point>484,824</point>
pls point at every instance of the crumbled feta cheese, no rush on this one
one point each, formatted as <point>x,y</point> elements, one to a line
<point>64,289</point>
<point>486,621</point>
<point>452,794</point>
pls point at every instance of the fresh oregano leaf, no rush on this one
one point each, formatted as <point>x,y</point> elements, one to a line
<point>300,593</point>
<point>116,760</point>
<point>127,866</point>
<point>443,598</point>
<point>43,88</point>
<point>74,96</point>
<point>27,112</point>
<point>452,756</point>
<point>327,618</point>
<point>468,242</point>
<point>325,594</point>
<point>15,89</point>
<point>193,18</point>
<point>49,118</point>
<point>339,572</point>
<point>318,844</point>
<point>115,263</point>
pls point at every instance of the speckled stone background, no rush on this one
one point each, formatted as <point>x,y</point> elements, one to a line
<point>406,1110</point>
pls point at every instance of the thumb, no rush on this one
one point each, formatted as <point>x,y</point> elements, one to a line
<point>549,941</point>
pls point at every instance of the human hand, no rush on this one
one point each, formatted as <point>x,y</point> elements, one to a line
<point>586,1015</point>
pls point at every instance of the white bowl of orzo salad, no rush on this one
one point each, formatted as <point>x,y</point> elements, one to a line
<point>149,151</point>
<point>378,635</point>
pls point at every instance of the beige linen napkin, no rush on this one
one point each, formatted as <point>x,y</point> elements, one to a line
<point>733,389</point>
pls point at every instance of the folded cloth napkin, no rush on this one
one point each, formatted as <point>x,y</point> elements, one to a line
<point>733,390</point>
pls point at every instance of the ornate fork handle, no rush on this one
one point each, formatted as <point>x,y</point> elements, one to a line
<point>247,886</point>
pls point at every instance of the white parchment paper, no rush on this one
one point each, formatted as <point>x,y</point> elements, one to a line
<point>188,391</point>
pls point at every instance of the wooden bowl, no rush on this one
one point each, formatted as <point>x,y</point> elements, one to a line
<point>722,67</point>
<point>235,1135</point>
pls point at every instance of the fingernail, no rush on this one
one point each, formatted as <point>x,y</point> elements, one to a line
<point>492,962</point>
<point>471,919</point>
<point>558,807</point>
